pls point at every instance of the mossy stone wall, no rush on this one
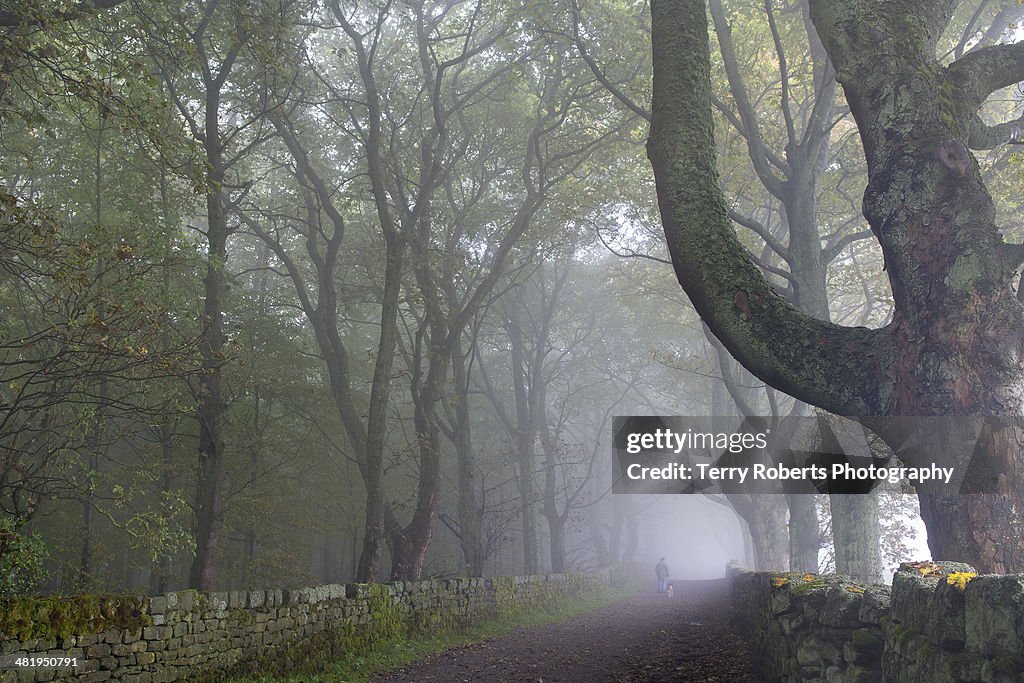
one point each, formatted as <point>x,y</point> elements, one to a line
<point>938,622</point>
<point>207,636</point>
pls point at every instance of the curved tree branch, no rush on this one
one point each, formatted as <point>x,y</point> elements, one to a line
<point>984,136</point>
<point>981,72</point>
<point>761,231</point>
<point>599,73</point>
<point>817,362</point>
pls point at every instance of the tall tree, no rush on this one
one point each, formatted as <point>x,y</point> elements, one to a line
<point>196,50</point>
<point>953,344</point>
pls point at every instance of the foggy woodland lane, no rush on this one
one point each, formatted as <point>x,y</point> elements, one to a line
<point>646,637</point>
<point>299,297</point>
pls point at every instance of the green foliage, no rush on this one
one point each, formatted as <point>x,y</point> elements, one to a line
<point>89,343</point>
<point>160,527</point>
<point>22,559</point>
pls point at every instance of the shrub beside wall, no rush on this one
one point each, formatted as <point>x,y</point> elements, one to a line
<point>208,636</point>
<point>938,622</point>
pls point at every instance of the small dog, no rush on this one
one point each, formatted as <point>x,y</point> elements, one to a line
<point>670,590</point>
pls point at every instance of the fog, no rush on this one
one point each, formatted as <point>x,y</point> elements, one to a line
<point>696,537</point>
<point>301,292</point>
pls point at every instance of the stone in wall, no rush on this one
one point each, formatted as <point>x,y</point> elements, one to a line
<point>815,628</point>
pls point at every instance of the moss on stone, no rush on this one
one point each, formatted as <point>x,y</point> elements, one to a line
<point>386,620</point>
<point>65,616</point>
<point>1007,664</point>
<point>504,595</point>
<point>865,639</point>
<point>239,617</point>
<point>900,632</point>
<point>805,587</point>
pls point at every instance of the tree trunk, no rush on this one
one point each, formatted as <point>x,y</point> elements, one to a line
<point>83,579</point>
<point>855,533</point>
<point>380,392</point>
<point>166,484</point>
<point>768,532</point>
<point>524,439</point>
<point>556,543</point>
<point>632,530</point>
<point>976,519</point>
<point>470,529</point>
<point>760,504</point>
<point>804,541</point>
<point>615,541</point>
<point>602,556</point>
<point>409,544</point>
<point>211,407</point>
<point>957,322</point>
<point>556,520</point>
<point>855,526</point>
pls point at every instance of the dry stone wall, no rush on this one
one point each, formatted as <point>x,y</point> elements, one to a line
<point>189,635</point>
<point>938,622</point>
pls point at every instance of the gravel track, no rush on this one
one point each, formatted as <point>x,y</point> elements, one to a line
<point>646,637</point>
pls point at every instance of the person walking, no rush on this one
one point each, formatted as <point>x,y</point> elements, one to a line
<point>661,570</point>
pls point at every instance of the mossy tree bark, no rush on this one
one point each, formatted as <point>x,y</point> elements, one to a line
<point>954,344</point>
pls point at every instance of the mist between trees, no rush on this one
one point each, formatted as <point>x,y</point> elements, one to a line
<point>297,291</point>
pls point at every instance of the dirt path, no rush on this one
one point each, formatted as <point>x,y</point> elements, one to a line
<point>647,637</point>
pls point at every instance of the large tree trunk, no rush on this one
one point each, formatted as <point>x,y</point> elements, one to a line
<point>957,323</point>
<point>977,516</point>
<point>409,544</point>
<point>376,420</point>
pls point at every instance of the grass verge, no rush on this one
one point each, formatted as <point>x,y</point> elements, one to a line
<point>359,667</point>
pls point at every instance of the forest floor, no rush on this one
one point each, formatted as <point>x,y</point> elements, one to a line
<point>646,637</point>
